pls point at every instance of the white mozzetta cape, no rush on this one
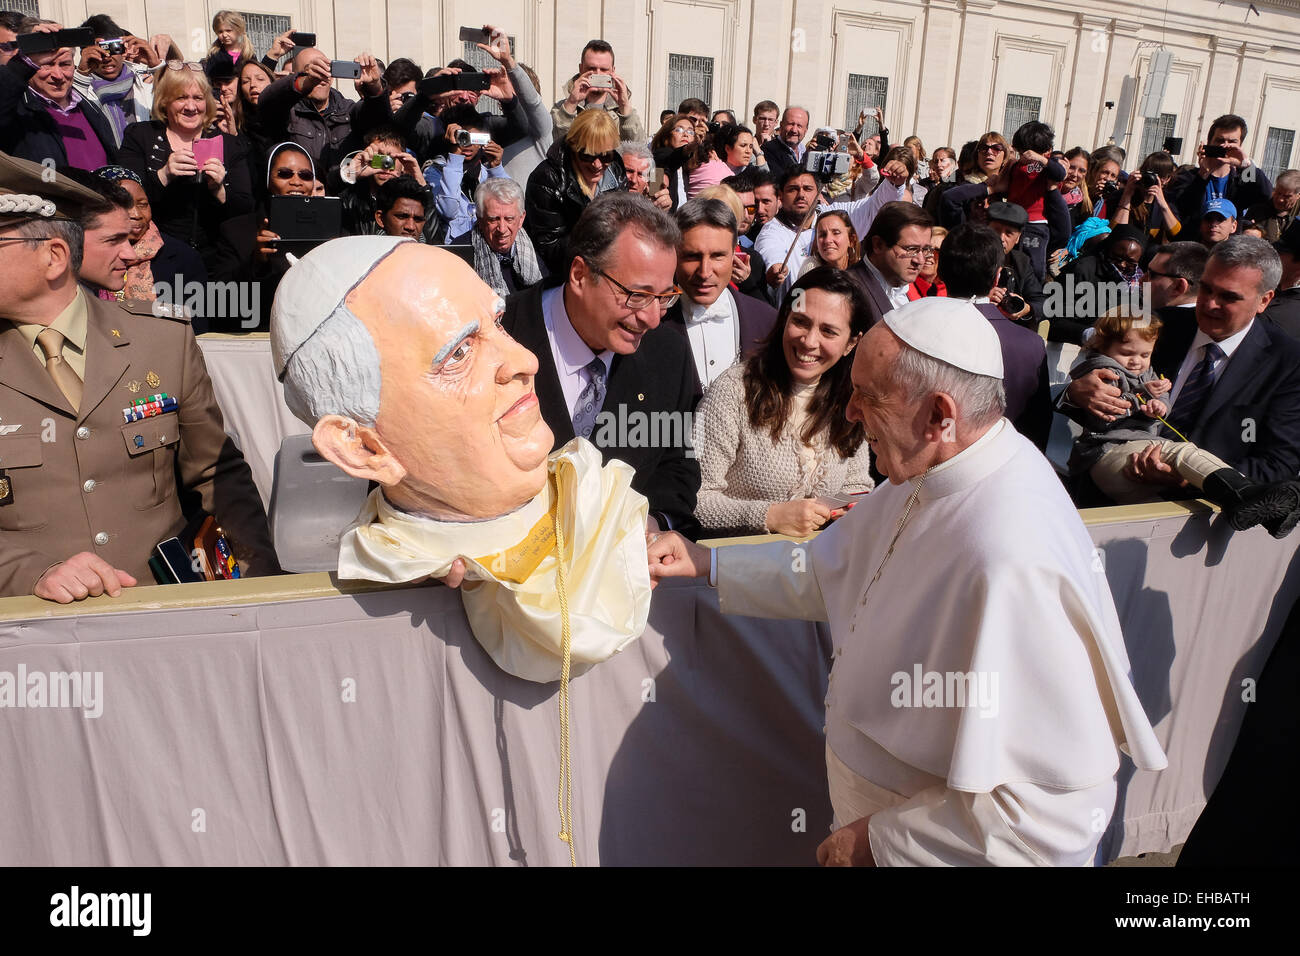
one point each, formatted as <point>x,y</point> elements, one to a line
<point>510,593</point>
<point>993,576</point>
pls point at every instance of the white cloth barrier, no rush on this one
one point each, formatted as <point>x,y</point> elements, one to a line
<point>370,728</point>
<point>251,400</point>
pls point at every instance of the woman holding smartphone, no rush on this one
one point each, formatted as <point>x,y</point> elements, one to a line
<point>194,175</point>
<point>777,454</point>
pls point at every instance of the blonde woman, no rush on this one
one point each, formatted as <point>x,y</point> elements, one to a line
<point>231,38</point>
<point>194,175</point>
<point>577,168</point>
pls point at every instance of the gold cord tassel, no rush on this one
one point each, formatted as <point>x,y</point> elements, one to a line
<point>565,797</point>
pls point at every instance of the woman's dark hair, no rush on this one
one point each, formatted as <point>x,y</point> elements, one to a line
<point>1160,163</point>
<point>769,385</point>
<point>725,138</point>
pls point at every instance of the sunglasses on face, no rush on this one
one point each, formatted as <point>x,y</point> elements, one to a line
<point>991,148</point>
<point>302,175</point>
<point>9,46</point>
<point>606,159</point>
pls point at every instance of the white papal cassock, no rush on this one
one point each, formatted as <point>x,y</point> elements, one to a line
<point>994,592</point>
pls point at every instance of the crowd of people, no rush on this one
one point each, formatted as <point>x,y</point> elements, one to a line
<point>720,272</point>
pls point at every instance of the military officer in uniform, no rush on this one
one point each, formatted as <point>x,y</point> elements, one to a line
<point>85,493</point>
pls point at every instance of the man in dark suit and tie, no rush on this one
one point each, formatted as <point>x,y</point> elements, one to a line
<point>893,254</point>
<point>606,370</point>
<point>1236,385</point>
<point>969,267</point>
<point>720,327</point>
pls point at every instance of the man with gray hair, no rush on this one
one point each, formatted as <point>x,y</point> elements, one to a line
<point>979,692</point>
<point>1236,389</point>
<point>639,163</point>
<point>504,256</point>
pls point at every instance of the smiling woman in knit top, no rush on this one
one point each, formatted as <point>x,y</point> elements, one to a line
<point>771,434</point>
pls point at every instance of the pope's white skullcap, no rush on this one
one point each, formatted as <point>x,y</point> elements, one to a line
<point>316,285</point>
<point>951,330</point>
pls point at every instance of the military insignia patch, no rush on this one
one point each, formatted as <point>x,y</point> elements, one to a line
<point>152,380</point>
<point>134,386</point>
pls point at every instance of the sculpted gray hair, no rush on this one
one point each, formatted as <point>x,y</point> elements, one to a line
<point>335,372</point>
<point>980,399</point>
<point>502,190</point>
<point>604,220</point>
<point>640,151</point>
<point>1251,252</point>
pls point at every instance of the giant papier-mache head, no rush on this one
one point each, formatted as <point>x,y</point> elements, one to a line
<point>393,351</point>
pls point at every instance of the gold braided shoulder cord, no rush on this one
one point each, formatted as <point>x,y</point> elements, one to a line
<point>565,796</point>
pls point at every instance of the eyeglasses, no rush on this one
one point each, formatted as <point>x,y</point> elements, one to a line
<point>25,238</point>
<point>606,159</point>
<point>639,300</point>
<point>185,65</point>
<point>302,175</point>
<point>685,130</point>
<point>911,252</point>
<point>751,208</point>
<point>9,46</point>
<point>930,251</point>
<point>991,148</point>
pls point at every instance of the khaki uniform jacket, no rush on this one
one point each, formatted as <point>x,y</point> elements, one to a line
<point>88,481</point>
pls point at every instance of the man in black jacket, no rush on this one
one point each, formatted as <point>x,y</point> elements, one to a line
<point>1231,176</point>
<point>783,151</point>
<point>1284,310</point>
<point>305,109</point>
<point>1016,277</point>
<point>43,117</point>
<point>1247,408</point>
<point>606,370</point>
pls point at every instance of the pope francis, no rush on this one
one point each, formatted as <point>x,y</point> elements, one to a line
<point>980,694</point>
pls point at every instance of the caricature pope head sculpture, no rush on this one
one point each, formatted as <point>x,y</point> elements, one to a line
<point>410,380</point>
<point>392,350</point>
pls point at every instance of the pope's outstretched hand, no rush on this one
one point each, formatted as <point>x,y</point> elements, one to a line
<point>672,556</point>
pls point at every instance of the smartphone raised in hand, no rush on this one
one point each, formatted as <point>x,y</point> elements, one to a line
<point>302,39</point>
<point>345,69</point>
<point>473,35</point>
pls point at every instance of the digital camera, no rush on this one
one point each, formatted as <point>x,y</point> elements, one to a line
<point>465,137</point>
<point>114,47</point>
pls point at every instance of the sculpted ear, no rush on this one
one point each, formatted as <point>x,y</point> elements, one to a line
<point>356,450</point>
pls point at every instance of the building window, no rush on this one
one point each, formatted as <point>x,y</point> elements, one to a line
<point>28,8</point>
<point>1154,134</point>
<point>1277,151</point>
<point>865,94</point>
<point>689,76</point>
<point>1020,110</point>
<point>483,61</point>
<point>263,28</point>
